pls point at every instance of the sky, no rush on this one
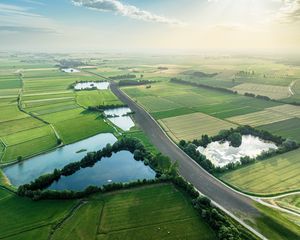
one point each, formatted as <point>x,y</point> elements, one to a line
<point>148,25</point>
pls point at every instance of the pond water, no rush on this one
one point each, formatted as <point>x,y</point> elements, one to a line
<point>120,167</point>
<point>220,154</point>
<point>70,70</point>
<point>90,85</point>
<point>123,122</point>
<point>32,168</point>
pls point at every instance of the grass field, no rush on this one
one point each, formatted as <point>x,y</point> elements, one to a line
<point>275,225</point>
<point>271,91</point>
<point>19,216</point>
<point>291,202</point>
<point>76,129</point>
<point>152,212</point>
<point>288,128</point>
<point>157,212</point>
<point>96,98</point>
<point>274,175</point>
<point>193,126</point>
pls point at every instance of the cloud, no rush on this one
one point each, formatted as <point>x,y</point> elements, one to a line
<point>125,10</point>
<point>15,18</point>
<point>290,11</point>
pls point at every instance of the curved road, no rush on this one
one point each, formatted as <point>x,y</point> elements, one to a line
<point>203,181</point>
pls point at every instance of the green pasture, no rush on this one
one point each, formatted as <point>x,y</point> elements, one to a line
<point>154,212</point>
<point>14,126</point>
<point>22,218</point>
<point>288,128</point>
<point>87,125</point>
<point>271,176</point>
<point>11,112</point>
<point>275,225</point>
<point>96,98</point>
<point>291,202</point>
<point>29,148</point>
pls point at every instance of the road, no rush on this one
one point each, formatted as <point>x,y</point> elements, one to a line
<point>203,181</point>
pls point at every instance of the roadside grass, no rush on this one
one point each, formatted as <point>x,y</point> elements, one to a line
<point>192,126</point>
<point>137,133</point>
<point>291,202</point>
<point>275,175</point>
<point>19,215</point>
<point>274,225</point>
<point>96,98</point>
<point>288,128</point>
<point>153,212</point>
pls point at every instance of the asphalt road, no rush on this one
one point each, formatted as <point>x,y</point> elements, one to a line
<point>224,196</point>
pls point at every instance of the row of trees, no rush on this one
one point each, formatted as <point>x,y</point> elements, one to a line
<point>180,81</point>
<point>102,108</point>
<point>235,136</point>
<point>125,76</point>
<point>135,83</point>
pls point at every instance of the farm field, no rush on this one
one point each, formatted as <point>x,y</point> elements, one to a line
<point>271,91</point>
<point>158,212</point>
<point>288,128</point>
<point>268,116</point>
<point>22,218</point>
<point>271,176</point>
<point>192,126</point>
<point>166,97</point>
<point>96,98</point>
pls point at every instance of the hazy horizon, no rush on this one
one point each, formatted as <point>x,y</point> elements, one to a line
<point>183,26</point>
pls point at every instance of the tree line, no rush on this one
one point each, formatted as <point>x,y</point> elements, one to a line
<point>220,89</point>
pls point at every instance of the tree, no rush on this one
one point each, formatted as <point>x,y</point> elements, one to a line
<point>20,158</point>
<point>235,139</point>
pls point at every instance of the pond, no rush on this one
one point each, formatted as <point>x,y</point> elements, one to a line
<point>120,167</point>
<point>220,154</point>
<point>117,117</point>
<point>32,168</point>
<point>70,70</point>
<point>91,85</point>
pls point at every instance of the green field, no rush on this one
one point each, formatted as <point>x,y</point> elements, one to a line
<point>291,202</point>
<point>288,128</point>
<point>158,212</point>
<point>275,225</point>
<point>96,98</point>
<point>274,175</point>
<point>193,126</point>
<point>23,218</point>
<point>83,126</point>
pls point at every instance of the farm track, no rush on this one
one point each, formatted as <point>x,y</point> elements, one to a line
<point>228,199</point>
